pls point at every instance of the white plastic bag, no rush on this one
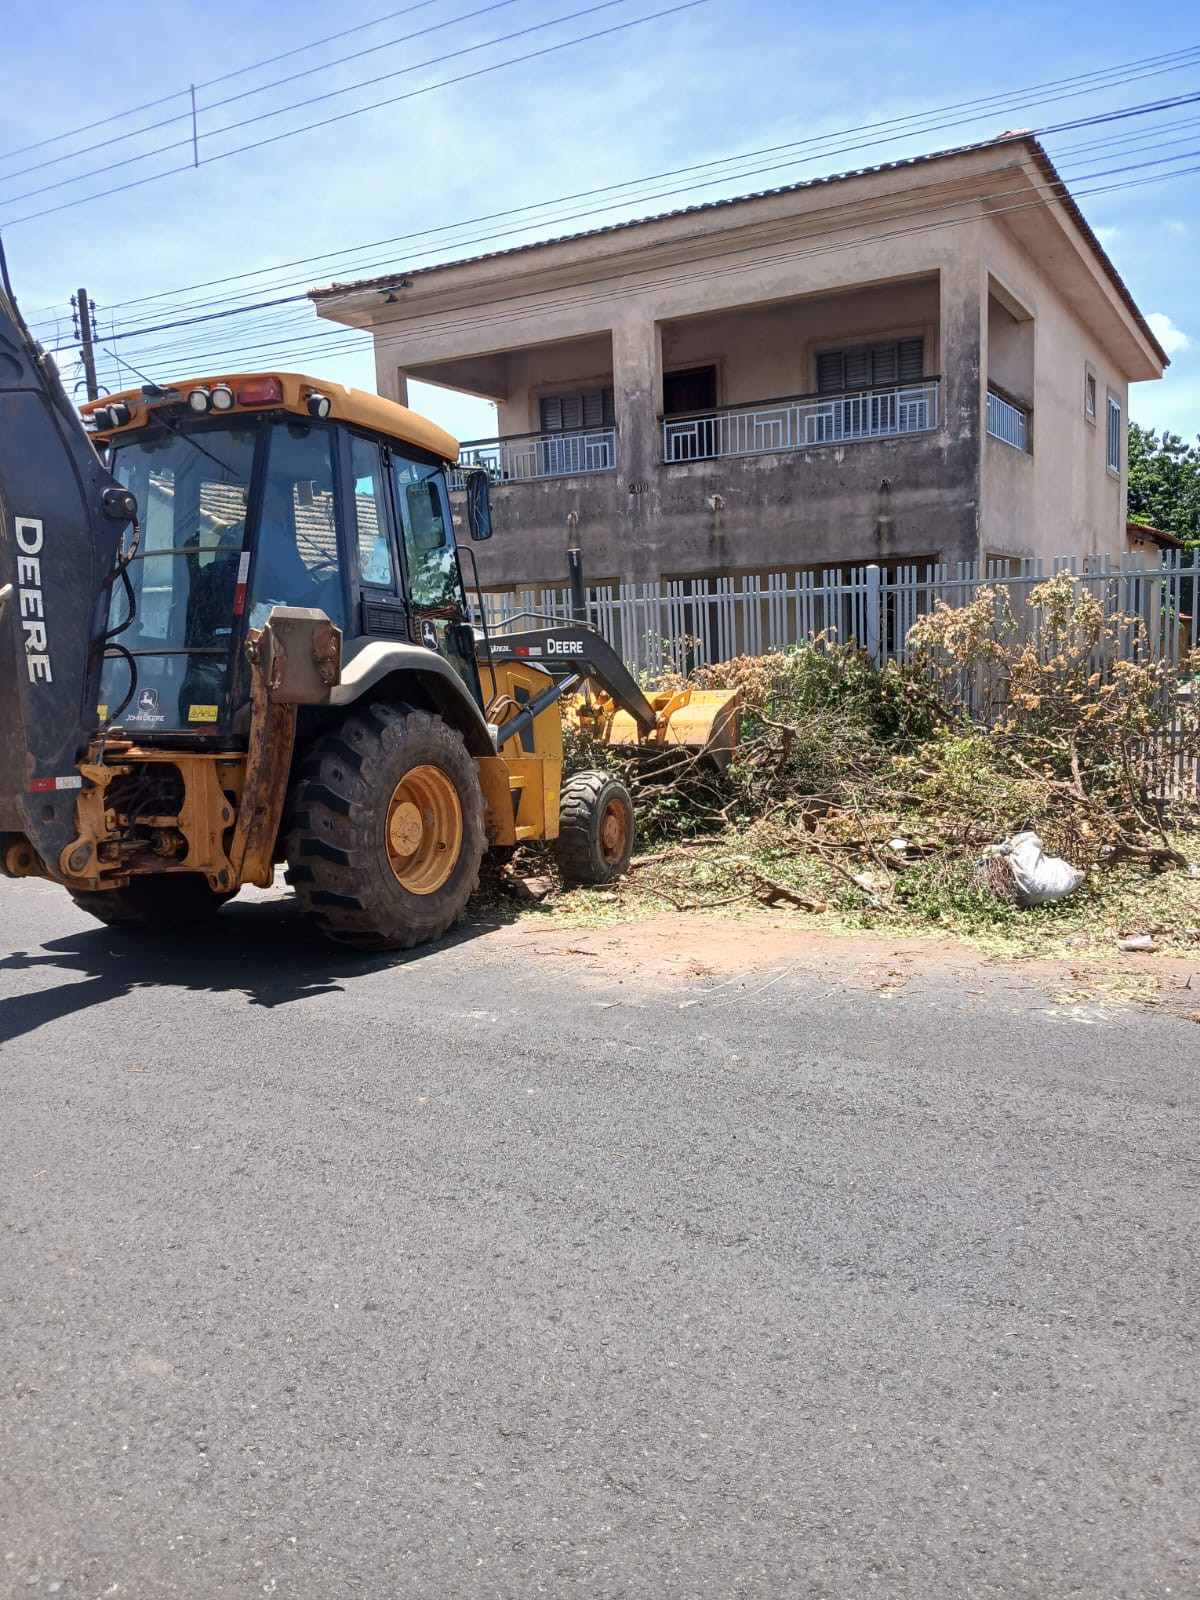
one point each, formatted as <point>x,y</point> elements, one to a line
<point>1039,878</point>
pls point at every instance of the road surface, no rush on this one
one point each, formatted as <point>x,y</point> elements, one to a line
<point>657,1263</point>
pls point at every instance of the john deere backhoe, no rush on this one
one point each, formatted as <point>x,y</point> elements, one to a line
<point>234,631</point>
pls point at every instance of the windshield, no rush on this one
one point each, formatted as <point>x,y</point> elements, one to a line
<point>191,492</point>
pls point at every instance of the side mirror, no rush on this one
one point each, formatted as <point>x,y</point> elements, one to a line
<point>479,505</point>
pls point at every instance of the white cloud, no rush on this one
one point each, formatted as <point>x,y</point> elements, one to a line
<point>1171,338</point>
<point>1173,225</point>
<point>1108,236</point>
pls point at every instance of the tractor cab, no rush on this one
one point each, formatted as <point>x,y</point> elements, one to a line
<point>260,492</point>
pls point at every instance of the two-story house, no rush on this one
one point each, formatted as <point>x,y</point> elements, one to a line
<point>927,360</point>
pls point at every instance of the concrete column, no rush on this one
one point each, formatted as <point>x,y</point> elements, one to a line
<point>963,356</point>
<point>637,382</point>
<point>963,332</point>
<point>391,381</point>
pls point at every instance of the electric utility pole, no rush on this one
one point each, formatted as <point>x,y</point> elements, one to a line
<point>85,317</point>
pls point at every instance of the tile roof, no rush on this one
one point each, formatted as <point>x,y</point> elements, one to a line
<point>1158,536</point>
<point>1041,159</point>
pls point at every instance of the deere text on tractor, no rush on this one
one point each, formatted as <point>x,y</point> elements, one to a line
<point>234,632</point>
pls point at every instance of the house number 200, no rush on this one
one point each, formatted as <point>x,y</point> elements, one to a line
<point>639,487</point>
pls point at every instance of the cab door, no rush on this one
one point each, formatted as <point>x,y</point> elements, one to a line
<point>436,599</point>
<point>383,607</point>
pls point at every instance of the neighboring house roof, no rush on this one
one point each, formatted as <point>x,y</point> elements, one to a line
<point>1037,153</point>
<point>1158,536</point>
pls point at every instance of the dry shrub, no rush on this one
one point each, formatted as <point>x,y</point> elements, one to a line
<point>1075,698</point>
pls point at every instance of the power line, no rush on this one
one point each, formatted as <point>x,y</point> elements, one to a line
<point>184,322</point>
<point>345,340</point>
<point>532,55</point>
<point>224,77</point>
<point>331,94</point>
<point>326,66</point>
<point>895,125</point>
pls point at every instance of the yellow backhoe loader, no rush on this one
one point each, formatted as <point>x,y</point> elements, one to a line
<point>234,632</point>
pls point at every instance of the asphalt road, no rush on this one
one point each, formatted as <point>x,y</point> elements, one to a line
<point>500,1271</point>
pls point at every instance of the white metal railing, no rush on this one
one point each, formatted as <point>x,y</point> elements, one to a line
<point>802,423</point>
<point>1007,421</point>
<point>538,455</point>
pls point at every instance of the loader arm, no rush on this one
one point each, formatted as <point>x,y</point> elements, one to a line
<point>574,653</point>
<point>61,520</point>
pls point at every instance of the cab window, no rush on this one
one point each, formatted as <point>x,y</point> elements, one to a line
<point>370,511</point>
<point>433,577</point>
<point>296,556</point>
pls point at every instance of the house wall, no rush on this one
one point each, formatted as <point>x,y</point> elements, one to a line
<point>1059,497</point>
<point>758,288</point>
<point>863,501</point>
<point>551,369</point>
<point>771,351</point>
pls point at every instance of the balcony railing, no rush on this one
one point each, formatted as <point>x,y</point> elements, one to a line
<point>1007,421</point>
<point>538,455</point>
<point>801,423</point>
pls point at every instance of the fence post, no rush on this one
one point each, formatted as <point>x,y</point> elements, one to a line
<point>874,618</point>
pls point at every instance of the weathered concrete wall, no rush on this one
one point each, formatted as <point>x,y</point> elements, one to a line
<point>871,500</point>
<point>1059,498</point>
<point>745,513</point>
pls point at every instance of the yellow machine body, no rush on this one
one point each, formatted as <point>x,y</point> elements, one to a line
<point>521,785</point>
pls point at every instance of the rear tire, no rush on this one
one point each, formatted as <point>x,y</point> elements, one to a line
<point>595,828</point>
<point>384,830</point>
<point>154,903</point>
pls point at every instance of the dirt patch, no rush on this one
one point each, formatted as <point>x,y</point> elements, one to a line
<point>677,949</point>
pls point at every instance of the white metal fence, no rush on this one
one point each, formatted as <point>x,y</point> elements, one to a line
<point>798,424</point>
<point>680,624</point>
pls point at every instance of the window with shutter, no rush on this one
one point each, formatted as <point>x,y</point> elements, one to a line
<point>866,365</point>
<point>830,369</point>
<point>883,363</point>
<point>584,408</point>
<point>910,360</point>
<point>858,369</point>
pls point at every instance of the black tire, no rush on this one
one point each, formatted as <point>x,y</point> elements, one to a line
<point>154,903</point>
<point>338,830</point>
<point>595,828</point>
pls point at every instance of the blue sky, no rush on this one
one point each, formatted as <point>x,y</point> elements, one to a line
<point>701,85</point>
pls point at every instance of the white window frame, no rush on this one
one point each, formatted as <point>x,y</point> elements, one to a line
<point>1114,412</point>
<point>1091,392</point>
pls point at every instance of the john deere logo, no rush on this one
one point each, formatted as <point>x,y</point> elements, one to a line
<point>148,700</point>
<point>429,634</point>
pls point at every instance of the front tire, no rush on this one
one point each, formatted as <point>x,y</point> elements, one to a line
<point>595,828</point>
<point>155,903</point>
<point>384,832</point>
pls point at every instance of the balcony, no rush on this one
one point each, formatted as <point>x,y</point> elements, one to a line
<point>1007,421</point>
<point>803,422</point>
<point>522,457</point>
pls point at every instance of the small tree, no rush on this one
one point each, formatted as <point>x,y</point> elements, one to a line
<point>1164,482</point>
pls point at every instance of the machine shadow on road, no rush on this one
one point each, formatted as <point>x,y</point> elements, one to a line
<point>260,948</point>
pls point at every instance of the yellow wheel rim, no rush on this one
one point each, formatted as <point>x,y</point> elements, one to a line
<point>424,830</point>
<point>614,832</point>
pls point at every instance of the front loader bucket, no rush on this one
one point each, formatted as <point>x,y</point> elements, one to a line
<point>702,720</point>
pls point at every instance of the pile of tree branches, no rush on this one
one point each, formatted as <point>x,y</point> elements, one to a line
<point>1061,721</point>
